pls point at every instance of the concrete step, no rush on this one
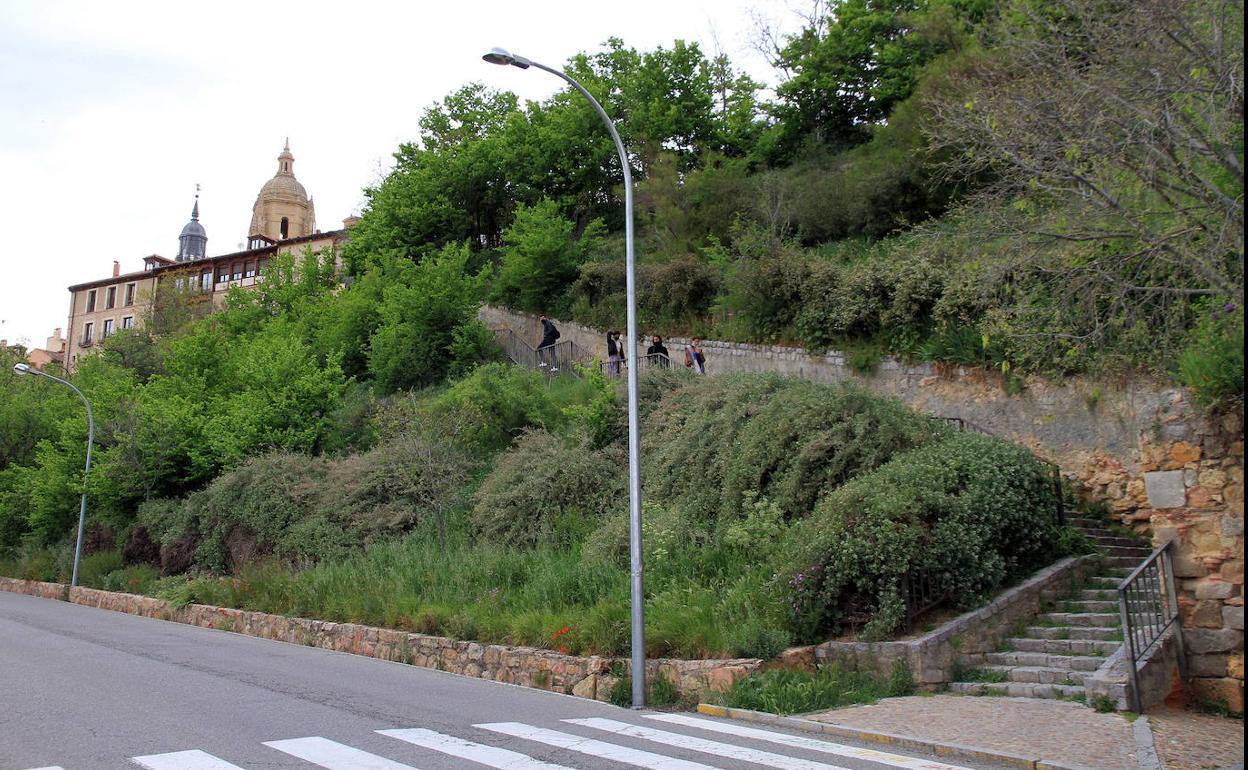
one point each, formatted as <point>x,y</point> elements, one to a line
<point>1082,647</point>
<point>1122,562</point>
<point>1044,660</point>
<point>1038,674</point>
<point>1088,605</point>
<point>1103,583</point>
<point>1097,619</point>
<point>1074,632</point>
<point>1108,540</point>
<point>1018,690</point>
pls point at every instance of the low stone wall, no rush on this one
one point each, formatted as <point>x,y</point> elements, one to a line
<point>1164,467</point>
<point>1157,674</point>
<point>967,637</point>
<point>589,677</point>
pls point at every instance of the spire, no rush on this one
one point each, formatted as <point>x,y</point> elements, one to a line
<point>286,161</point>
<point>193,242</point>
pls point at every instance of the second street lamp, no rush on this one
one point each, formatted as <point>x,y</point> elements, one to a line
<point>503,57</point>
<point>82,506</point>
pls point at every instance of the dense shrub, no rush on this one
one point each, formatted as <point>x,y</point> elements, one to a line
<point>787,440</point>
<point>1212,363</point>
<point>550,489</point>
<point>487,409</point>
<point>969,511</point>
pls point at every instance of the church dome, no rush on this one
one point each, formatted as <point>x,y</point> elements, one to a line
<point>283,209</point>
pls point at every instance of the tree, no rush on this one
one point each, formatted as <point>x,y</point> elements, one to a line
<point>541,256</point>
<point>1115,134</point>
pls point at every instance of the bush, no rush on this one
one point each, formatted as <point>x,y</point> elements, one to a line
<point>550,490</point>
<point>96,567</point>
<point>1212,363</point>
<point>793,692</point>
<point>970,512</point>
<point>789,441</point>
<point>678,291</point>
<point>486,410</point>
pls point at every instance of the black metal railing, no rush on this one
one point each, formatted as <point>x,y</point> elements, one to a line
<point>1055,471</point>
<point>559,358</point>
<point>1148,606</point>
<point>923,591</point>
<point>649,361</point>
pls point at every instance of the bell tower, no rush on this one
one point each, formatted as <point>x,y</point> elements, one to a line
<point>283,209</point>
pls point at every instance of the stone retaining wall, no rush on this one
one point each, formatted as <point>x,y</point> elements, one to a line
<point>589,677</point>
<point>1165,468</point>
<point>966,638</point>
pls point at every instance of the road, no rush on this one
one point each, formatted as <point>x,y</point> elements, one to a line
<point>83,688</point>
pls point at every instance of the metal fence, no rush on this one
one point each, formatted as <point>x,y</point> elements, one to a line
<point>559,358</point>
<point>1149,605</point>
<point>650,361</point>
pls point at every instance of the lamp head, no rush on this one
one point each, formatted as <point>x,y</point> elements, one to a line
<point>21,368</point>
<point>504,57</point>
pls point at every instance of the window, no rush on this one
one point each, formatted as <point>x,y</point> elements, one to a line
<point>127,322</point>
<point>236,271</point>
<point>130,287</point>
<point>108,328</point>
<point>205,280</point>
<point>223,273</point>
<point>179,284</point>
<point>111,300</point>
<point>87,331</point>
<point>285,228</point>
<point>91,301</point>
<point>249,269</point>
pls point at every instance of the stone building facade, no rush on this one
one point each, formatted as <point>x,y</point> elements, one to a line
<point>283,221</point>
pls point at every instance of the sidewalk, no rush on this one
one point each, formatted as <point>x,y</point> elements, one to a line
<point>1059,731</point>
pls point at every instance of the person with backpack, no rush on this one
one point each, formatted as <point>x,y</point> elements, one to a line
<point>546,348</point>
<point>695,359</point>
<point>615,354</point>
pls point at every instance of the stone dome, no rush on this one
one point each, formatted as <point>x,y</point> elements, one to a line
<point>283,208</point>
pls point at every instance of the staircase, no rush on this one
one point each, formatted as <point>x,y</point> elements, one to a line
<point>1058,649</point>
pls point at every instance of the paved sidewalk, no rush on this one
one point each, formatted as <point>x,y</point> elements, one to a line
<point>1186,740</point>
<point>1070,733</point>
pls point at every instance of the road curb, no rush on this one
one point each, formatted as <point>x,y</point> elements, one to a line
<point>939,748</point>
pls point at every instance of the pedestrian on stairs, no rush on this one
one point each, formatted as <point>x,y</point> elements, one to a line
<point>546,348</point>
<point>615,354</point>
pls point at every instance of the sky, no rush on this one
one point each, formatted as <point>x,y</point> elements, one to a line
<point>112,112</point>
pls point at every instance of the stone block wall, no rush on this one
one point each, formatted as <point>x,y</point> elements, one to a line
<point>589,677</point>
<point>964,639</point>
<point>1163,466</point>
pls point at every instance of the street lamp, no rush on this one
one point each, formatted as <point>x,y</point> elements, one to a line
<point>82,507</point>
<point>503,57</point>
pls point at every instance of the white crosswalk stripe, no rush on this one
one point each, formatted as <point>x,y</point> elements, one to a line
<point>800,742</point>
<point>54,767</point>
<point>614,752</point>
<point>766,758</point>
<point>333,755</point>
<point>184,760</point>
<point>338,756</point>
<point>475,752</point>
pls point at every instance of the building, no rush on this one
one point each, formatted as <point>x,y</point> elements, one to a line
<point>283,220</point>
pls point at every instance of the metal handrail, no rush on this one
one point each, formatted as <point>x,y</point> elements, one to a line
<point>556,358</point>
<point>648,361</point>
<point>1148,606</point>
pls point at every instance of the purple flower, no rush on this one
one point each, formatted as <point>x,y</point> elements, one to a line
<point>1229,307</point>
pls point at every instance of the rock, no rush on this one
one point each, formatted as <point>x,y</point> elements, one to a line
<point>1233,618</point>
<point>1165,489</point>
<point>1229,692</point>
<point>1201,641</point>
<point>1213,589</point>
<point>586,688</point>
<point>1182,453</point>
<point>1206,614</point>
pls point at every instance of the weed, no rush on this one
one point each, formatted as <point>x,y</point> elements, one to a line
<point>1104,704</point>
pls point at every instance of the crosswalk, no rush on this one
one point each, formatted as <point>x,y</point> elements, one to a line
<point>598,740</point>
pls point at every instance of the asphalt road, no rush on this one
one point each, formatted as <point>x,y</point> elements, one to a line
<point>87,688</point>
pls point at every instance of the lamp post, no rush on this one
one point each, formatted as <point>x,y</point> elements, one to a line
<point>82,506</point>
<point>503,57</point>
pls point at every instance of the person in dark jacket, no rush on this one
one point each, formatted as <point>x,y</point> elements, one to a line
<point>658,354</point>
<point>546,348</point>
<point>615,354</point>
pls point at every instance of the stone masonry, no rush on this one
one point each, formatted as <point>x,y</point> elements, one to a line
<point>1165,468</point>
<point>588,677</point>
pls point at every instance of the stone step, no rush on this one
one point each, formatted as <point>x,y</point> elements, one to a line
<point>1039,674</point>
<point>1104,583</point>
<point>1088,605</point>
<point>1044,660</point>
<point>1018,690</point>
<point>1075,632</point>
<point>1082,647</point>
<point>1122,562</point>
<point>1108,540</point>
<point>1098,595</point>
<point>1098,619</point>
<point>1134,551</point>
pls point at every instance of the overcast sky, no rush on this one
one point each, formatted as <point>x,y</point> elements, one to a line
<point>112,112</point>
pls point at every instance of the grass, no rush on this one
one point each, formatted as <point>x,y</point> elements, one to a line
<point>796,692</point>
<point>989,676</point>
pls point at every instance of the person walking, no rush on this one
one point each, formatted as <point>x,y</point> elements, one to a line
<point>695,359</point>
<point>615,354</point>
<point>657,353</point>
<point>546,348</point>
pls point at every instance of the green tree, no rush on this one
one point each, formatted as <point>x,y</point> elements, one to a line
<point>541,256</point>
